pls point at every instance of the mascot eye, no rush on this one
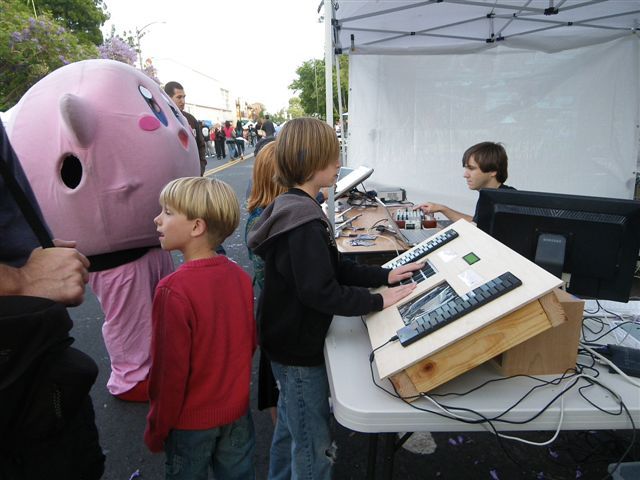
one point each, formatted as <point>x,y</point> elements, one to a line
<point>153,105</point>
<point>71,171</point>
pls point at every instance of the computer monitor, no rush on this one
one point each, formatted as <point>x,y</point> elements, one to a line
<point>591,242</point>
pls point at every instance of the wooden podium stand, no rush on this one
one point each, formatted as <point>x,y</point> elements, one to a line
<point>532,329</point>
<point>539,338</point>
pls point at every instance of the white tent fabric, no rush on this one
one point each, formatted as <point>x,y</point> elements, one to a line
<point>456,26</point>
<point>568,119</point>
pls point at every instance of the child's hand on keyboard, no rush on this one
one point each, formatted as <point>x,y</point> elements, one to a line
<point>402,273</point>
<point>393,295</point>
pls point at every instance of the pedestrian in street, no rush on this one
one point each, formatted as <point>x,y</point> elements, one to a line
<point>204,337</point>
<point>207,141</point>
<point>268,127</point>
<point>219,141</point>
<point>230,139</point>
<point>176,93</point>
<point>239,139</point>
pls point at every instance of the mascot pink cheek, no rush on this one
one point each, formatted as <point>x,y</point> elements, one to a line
<point>149,124</point>
<point>108,140</point>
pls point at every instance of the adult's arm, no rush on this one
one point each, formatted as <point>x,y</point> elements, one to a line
<point>448,212</point>
<point>58,273</point>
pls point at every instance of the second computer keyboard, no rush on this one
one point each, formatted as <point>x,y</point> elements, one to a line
<point>457,307</point>
<point>423,249</point>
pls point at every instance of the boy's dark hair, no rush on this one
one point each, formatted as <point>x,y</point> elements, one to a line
<point>490,157</point>
<point>171,87</point>
<point>304,146</point>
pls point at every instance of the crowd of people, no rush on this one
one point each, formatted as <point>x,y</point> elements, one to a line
<point>204,330</point>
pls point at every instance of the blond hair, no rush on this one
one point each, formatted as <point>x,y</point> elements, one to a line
<point>304,146</point>
<point>264,188</point>
<point>210,199</point>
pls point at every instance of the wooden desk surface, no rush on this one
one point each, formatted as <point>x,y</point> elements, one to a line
<point>368,219</point>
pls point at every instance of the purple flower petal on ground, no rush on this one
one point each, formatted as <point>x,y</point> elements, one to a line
<point>460,439</point>
<point>494,474</point>
<point>553,453</point>
<point>540,475</point>
<point>452,442</point>
<point>578,473</point>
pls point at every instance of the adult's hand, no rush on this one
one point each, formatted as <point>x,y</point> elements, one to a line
<point>430,207</point>
<point>59,273</point>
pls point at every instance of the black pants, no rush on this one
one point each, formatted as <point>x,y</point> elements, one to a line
<point>240,147</point>
<point>220,153</point>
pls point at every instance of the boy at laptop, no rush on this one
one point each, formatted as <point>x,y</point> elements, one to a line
<point>485,166</point>
<point>305,284</point>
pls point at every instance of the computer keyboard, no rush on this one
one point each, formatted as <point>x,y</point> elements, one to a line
<point>423,249</point>
<point>458,307</point>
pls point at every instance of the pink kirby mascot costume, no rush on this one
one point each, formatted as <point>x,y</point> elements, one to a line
<point>98,140</point>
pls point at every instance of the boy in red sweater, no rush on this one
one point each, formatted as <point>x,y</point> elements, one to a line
<point>203,339</point>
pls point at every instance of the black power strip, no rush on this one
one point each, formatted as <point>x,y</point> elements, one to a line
<point>626,359</point>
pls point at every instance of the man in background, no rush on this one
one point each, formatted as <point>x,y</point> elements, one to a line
<point>268,127</point>
<point>176,92</point>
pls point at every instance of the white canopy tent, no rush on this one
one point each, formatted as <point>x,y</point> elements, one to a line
<point>557,82</point>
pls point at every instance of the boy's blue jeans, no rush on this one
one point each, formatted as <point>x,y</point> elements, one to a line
<point>301,447</point>
<point>227,449</point>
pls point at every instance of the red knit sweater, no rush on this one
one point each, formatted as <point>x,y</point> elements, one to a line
<point>202,343</point>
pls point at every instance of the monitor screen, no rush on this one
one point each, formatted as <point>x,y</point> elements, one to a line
<point>590,242</point>
<point>353,178</point>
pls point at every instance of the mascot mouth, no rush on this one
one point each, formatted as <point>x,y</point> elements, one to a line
<point>183,136</point>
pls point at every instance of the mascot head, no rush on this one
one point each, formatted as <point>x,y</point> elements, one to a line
<point>98,140</point>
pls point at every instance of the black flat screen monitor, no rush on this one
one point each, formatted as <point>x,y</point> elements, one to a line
<point>595,240</point>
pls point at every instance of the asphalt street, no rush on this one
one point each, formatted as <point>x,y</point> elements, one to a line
<point>451,455</point>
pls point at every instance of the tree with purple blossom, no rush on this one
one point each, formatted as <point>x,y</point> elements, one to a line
<point>116,48</point>
<point>31,47</point>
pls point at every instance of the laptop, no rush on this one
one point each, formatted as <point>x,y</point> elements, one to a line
<point>354,177</point>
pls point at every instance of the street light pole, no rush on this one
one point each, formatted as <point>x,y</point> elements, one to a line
<point>140,32</point>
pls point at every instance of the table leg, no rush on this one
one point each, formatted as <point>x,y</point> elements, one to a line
<point>388,455</point>
<point>371,459</point>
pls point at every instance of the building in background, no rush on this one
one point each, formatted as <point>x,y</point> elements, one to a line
<point>207,98</point>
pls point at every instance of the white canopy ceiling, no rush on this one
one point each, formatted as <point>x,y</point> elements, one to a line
<point>556,81</point>
<point>463,26</point>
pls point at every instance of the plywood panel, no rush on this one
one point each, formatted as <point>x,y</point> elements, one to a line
<point>495,259</point>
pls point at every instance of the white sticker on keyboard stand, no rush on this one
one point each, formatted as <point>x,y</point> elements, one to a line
<point>471,278</point>
<point>446,255</point>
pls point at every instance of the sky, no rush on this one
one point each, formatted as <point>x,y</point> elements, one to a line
<point>251,47</point>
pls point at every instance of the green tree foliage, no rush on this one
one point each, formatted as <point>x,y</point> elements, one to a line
<point>310,86</point>
<point>279,117</point>
<point>295,108</point>
<point>30,48</point>
<point>82,17</point>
